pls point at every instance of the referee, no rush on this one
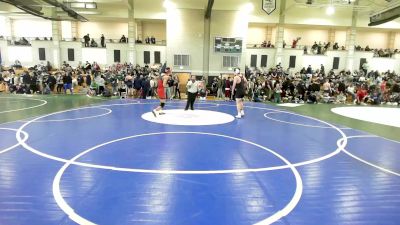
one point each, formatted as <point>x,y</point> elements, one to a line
<point>192,89</point>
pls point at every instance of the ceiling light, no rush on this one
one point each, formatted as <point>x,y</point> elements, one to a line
<point>168,4</point>
<point>330,10</point>
<point>248,7</point>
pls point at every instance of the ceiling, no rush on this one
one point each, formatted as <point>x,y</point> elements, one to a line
<point>153,9</point>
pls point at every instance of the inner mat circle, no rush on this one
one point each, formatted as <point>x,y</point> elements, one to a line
<point>189,117</point>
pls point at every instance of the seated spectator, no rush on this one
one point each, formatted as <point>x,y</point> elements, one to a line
<point>343,48</point>
<point>335,46</point>
<point>17,64</point>
<point>123,39</point>
<point>362,96</point>
<point>93,43</point>
<point>264,44</point>
<point>269,45</point>
<point>305,50</point>
<point>367,48</point>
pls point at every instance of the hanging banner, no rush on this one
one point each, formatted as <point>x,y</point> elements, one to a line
<point>268,6</point>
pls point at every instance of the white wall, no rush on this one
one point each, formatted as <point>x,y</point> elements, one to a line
<point>340,37</point>
<point>258,33</point>
<point>317,16</point>
<point>373,39</point>
<point>122,47</point>
<point>3,30</point>
<point>98,55</point>
<point>111,30</point>
<point>185,35</point>
<point>383,64</point>
<point>152,48</point>
<point>32,28</point>
<point>342,59</point>
<point>308,35</point>
<point>48,46</point>
<point>66,29</point>
<point>358,55</point>
<point>227,24</point>
<point>270,52</point>
<point>397,41</point>
<point>77,46</point>
<point>22,53</point>
<point>154,28</point>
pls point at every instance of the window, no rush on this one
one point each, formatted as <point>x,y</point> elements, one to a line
<point>71,55</point>
<point>157,57</point>
<point>117,55</point>
<point>181,60</point>
<point>42,54</point>
<point>292,61</point>
<point>230,61</point>
<point>253,61</point>
<point>264,59</point>
<point>146,57</point>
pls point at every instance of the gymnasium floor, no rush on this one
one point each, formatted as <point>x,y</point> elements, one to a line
<point>79,160</point>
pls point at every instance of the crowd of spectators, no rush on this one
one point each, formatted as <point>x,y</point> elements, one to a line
<point>309,85</point>
<point>124,80</point>
<point>378,52</point>
<point>90,42</point>
<point>315,86</point>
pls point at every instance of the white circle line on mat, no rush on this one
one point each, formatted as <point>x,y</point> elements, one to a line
<point>273,218</point>
<point>365,161</point>
<point>16,145</point>
<point>45,155</point>
<point>44,102</point>
<point>78,118</point>
<point>297,124</point>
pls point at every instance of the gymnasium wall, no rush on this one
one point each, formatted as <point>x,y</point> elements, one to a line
<point>185,35</point>
<point>31,28</point>
<point>375,39</point>
<point>111,30</point>
<point>308,35</point>
<point>397,41</point>
<point>3,30</point>
<point>235,25</point>
<point>151,48</point>
<point>258,33</point>
<point>66,29</point>
<point>154,28</point>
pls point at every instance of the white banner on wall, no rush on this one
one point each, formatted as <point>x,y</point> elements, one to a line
<point>268,6</point>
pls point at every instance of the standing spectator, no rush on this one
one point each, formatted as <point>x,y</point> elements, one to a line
<point>86,38</point>
<point>88,80</point>
<point>153,40</point>
<point>365,67</point>
<point>60,83</point>
<point>67,79</point>
<point>103,45</point>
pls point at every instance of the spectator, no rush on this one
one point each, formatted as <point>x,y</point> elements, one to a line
<point>123,39</point>
<point>336,46</point>
<point>93,43</point>
<point>86,39</point>
<point>102,41</point>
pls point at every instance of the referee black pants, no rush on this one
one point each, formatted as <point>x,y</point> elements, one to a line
<point>190,100</point>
